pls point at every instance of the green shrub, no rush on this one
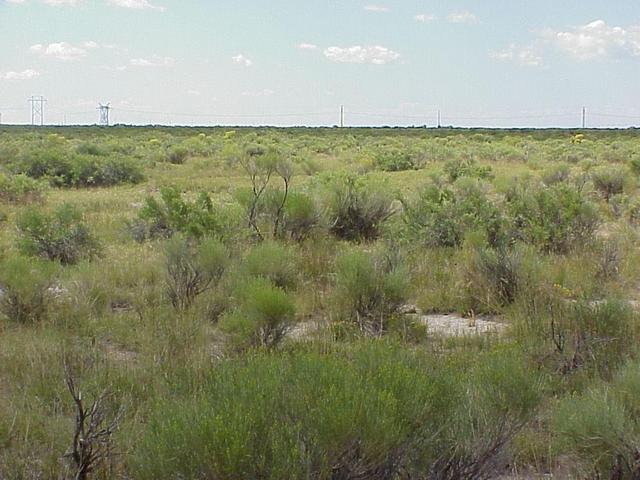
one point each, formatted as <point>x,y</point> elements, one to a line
<point>601,426</point>
<point>19,188</point>
<point>609,180</point>
<point>177,155</point>
<point>395,161</point>
<point>456,169</point>
<point>79,170</point>
<point>24,289</point>
<point>556,218</point>
<point>273,262</point>
<point>357,209</point>
<point>301,217</point>
<point>172,213</point>
<point>61,236</point>
<point>494,277</point>
<point>370,411</point>
<point>264,315</point>
<point>441,216</point>
<point>557,173</point>
<point>191,270</point>
<point>370,288</point>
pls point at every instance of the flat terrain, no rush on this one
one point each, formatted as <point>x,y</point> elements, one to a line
<point>319,303</point>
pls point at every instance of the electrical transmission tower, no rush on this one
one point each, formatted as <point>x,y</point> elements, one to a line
<point>104,114</point>
<point>37,109</point>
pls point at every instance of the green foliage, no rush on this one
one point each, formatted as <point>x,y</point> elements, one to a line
<point>177,155</point>
<point>273,262</point>
<point>441,216</point>
<point>465,167</point>
<point>172,213</point>
<point>372,411</point>
<point>263,316</point>
<point>191,270</point>
<point>494,276</point>
<point>79,170</point>
<point>556,218</point>
<point>601,426</point>
<point>609,180</point>
<point>395,161</point>
<point>61,236</point>
<point>19,188</point>
<point>24,289</point>
<point>357,209</point>
<point>369,288</point>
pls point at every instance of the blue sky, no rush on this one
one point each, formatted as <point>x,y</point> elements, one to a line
<point>285,62</point>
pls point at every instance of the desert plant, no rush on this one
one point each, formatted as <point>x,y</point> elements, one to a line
<point>369,288</point>
<point>191,270</point>
<point>24,289</point>
<point>357,210</point>
<point>19,188</point>
<point>274,262</point>
<point>608,180</point>
<point>456,169</point>
<point>61,236</point>
<point>264,315</point>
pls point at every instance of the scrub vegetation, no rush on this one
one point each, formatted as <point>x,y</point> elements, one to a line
<point>214,303</point>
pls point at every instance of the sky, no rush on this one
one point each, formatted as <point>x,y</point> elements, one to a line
<point>494,63</point>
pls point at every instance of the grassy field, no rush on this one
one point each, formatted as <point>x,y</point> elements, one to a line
<point>262,303</point>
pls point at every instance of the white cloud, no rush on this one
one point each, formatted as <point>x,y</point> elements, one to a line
<point>307,46</point>
<point>136,5</point>
<point>462,17</point>
<point>258,93</point>
<point>63,3</point>
<point>357,54</point>
<point>424,17</point>
<point>377,8</point>
<point>16,1</point>
<point>597,40</point>
<point>23,75</point>
<point>241,60</point>
<point>155,61</point>
<point>527,56</point>
<point>195,93</point>
<point>60,51</point>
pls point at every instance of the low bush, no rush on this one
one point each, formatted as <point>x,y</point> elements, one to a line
<point>456,169</point>
<point>370,411</point>
<point>357,209</point>
<point>19,188</point>
<point>191,270</point>
<point>441,216</point>
<point>556,218</point>
<point>24,289</point>
<point>302,217</point>
<point>369,289</point>
<point>395,161</point>
<point>177,155</point>
<point>273,262</point>
<point>263,316</point>
<point>600,427</point>
<point>79,170</point>
<point>608,180</point>
<point>60,236</point>
<point>161,218</point>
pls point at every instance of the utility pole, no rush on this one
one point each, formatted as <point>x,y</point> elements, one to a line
<point>104,114</point>
<point>341,116</point>
<point>584,117</point>
<point>439,122</point>
<point>37,109</point>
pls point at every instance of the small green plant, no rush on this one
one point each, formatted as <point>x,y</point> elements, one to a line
<point>556,218</point>
<point>456,169</point>
<point>60,236</point>
<point>19,188</point>
<point>264,315</point>
<point>192,270</point>
<point>608,180</point>
<point>357,209</point>
<point>395,161</point>
<point>172,213</point>
<point>177,155</point>
<point>24,289</point>
<point>370,288</point>
<point>274,262</point>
